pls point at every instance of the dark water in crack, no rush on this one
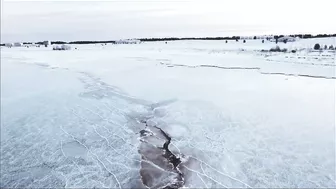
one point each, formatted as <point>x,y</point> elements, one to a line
<point>166,163</point>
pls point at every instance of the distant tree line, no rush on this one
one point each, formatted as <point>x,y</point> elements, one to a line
<point>189,38</point>
<point>307,36</point>
<point>90,42</point>
<point>303,36</point>
<point>58,42</point>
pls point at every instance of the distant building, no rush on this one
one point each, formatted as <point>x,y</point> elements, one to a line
<point>269,37</point>
<point>61,47</point>
<point>244,37</point>
<point>46,43</point>
<point>287,39</point>
<point>9,44</point>
<point>127,41</point>
<point>17,44</point>
<point>260,37</point>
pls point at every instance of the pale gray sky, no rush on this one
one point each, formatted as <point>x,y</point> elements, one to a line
<point>104,20</point>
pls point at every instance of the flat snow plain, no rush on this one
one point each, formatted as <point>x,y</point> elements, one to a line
<point>99,116</point>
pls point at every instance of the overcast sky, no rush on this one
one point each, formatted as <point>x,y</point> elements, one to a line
<point>104,20</point>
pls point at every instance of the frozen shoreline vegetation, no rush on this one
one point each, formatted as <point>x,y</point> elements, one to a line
<point>195,114</point>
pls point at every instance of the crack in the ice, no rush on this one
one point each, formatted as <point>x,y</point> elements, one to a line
<point>248,68</point>
<point>303,63</point>
<point>79,169</point>
<point>197,172</point>
<point>210,66</point>
<point>107,141</point>
<point>153,161</point>
<point>97,158</point>
<point>297,75</point>
<point>199,176</point>
<point>202,162</point>
<point>169,156</point>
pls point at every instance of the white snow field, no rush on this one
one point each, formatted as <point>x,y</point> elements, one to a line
<point>195,114</point>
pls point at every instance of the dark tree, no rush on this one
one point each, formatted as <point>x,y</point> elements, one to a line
<point>306,36</point>
<point>325,47</point>
<point>255,37</point>
<point>263,41</point>
<point>58,42</point>
<point>244,41</point>
<point>276,49</point>
<point>317,46</point>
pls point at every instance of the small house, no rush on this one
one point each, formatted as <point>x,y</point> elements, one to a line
<point>127,41</point>
<point>17,44</point>
<point>46,43</point>
<point>287,39</point>
<point>9,44</point>
<point>61,47</point>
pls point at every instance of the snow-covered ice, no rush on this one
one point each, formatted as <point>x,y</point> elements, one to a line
<point>197,114</point>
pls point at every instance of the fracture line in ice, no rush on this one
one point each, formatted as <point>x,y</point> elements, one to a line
<point>74,138</point>
<point>79,169</point>
<point>114,148</point>
<point>114,163</point>
<point>202,181</point>
<point>122,112</point>
<point>105,119</point>
<point>108,143</point>
<point>221,172</point>
<point>192,170</point>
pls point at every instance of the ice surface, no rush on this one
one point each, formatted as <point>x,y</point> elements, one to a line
<point>101,116</point>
